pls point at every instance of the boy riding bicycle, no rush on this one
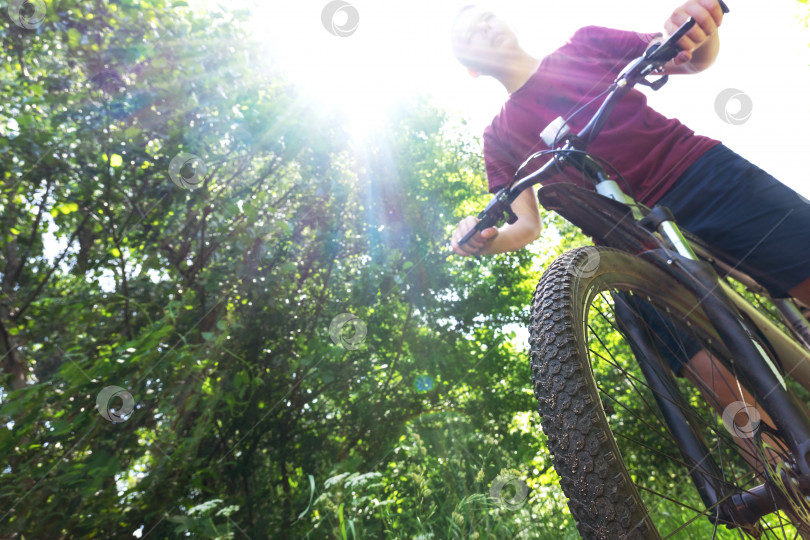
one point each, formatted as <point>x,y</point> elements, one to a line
<point>713,193</point>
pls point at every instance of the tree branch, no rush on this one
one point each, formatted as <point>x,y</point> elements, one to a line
<point>56,263</point>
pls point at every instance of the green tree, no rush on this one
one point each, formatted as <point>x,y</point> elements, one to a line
<point>212,306</point>
<point>305,356</point>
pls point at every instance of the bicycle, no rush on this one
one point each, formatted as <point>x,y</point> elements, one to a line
<point>596,363</point>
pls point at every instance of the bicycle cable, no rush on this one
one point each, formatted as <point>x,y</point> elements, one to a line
<point>556,151</point>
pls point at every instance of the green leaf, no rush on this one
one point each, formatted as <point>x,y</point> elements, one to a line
<point>66,208</point>
<point>342,522</point>
<point>59,427</point>
<point>74,37</point>
<point>240,379</point>
<point>24,120</point>
<point>311,494</point>
<point>154,338</point>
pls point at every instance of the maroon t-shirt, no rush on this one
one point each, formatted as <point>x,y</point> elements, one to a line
<point>650,150</point>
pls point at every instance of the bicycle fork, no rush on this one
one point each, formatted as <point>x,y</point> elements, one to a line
<point>725,503</point>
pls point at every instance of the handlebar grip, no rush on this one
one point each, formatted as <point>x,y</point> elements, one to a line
<point>484,223</point>
<point>469,234</point>
<point>684,28</point>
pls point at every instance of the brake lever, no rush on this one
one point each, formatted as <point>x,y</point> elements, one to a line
<point>653,60</point>
<point>657,83</point>
<point>658,54</point>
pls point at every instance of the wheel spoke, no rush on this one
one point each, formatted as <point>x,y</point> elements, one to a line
<point>633,380</point>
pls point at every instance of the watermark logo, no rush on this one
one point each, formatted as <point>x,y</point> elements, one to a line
<point>340,18</point>
<point>348,331</point>
<point>119,414</point>
<point>423,383</point>
<point>187,171</point>
<point>741,419</point>
<point>587,266</point>
<point>730,114</point>
<point>27,14</point>
<point>509,490</point>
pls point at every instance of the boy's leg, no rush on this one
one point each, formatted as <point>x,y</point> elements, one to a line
<point>802,290</point>
<point>721,389</point>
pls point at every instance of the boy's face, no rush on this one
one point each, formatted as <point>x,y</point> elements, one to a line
<point>482,41</point>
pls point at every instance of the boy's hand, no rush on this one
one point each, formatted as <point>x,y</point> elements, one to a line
<point>476,245</point>
<point>707,14</point>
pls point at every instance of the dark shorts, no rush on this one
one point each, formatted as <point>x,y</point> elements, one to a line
<point>739,208</point>
<point>736,206</point>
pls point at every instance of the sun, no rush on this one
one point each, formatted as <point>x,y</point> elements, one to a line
<point>347,72</point>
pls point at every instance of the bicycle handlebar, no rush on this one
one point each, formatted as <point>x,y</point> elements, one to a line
<point>652,61</point>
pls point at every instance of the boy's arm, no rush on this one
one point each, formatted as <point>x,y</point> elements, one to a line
<point>512,237</point>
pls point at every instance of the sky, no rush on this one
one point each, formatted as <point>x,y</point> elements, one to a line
<point>399,49</point>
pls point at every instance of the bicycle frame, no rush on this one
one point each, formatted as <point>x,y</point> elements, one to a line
<point>791,316</point>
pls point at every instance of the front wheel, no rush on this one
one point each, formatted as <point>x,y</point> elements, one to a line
<point>618,463</point>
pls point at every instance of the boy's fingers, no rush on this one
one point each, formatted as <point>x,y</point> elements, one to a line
<point>474,245</point>
<point>468,248</point>
<point>683,57</point>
